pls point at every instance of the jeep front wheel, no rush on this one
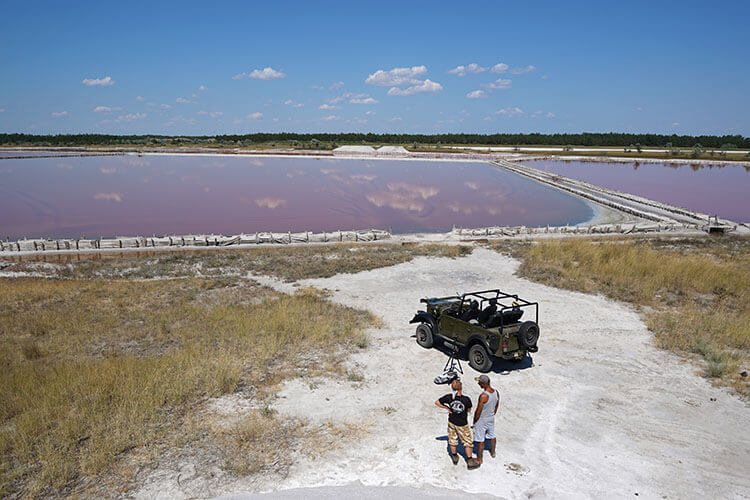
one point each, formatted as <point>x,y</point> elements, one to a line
<point>479,358</point>
<point>424,335</point>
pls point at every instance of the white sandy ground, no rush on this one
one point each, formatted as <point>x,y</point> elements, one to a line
<point>601,413</point>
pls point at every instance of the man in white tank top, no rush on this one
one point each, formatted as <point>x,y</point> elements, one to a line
<point>484,416</point>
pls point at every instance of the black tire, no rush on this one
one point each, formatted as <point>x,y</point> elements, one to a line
<point>528,334</point>
<point>424,335</point>
<point>479,358</point>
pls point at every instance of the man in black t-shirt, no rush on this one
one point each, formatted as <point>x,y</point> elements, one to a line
<point>458,407</point>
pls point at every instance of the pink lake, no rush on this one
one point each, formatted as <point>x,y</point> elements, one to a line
<point>713,190</point>
<point>173,194</point>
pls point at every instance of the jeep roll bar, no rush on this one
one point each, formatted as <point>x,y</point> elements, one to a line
<point>484,296</point>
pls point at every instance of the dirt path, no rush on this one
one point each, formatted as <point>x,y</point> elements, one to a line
<point>600,413</point>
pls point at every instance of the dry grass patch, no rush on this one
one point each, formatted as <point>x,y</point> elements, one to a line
<point>290,263</point>
<point>695,293</point>
<point>90,370</point>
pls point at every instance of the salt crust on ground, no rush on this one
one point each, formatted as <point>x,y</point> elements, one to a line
<point>600,413</point>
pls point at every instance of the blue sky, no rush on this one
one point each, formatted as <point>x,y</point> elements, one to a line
<point>242,67</point>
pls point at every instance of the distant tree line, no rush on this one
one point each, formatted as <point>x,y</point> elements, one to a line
<point>582,139</point>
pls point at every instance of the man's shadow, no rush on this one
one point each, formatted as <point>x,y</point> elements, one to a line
<point>460,446</point>
<point>499,365</point>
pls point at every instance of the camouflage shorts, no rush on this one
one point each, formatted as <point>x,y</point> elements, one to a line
<point>455,432</point>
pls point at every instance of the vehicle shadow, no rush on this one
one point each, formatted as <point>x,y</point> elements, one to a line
<point>500,366</point>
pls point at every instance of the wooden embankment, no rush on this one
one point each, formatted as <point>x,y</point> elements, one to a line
<point>621,228</point>
<point>203,240</point>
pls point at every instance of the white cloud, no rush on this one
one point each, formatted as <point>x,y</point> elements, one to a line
<point>107,170</point>
<point>293,104</point>
<point>265,74</point>
<point>499,68</point>
<point>105,109</point>
<point>397,77</point>
<point>271,203</point>
<point>329,118</point>
<point>425,86</point>
<point>472,68</point>
<point>116,197</point>
<point>182,100</point>
<point>107,81</point>
<point>2,110</point>
<point>165,106</point>
<point>212,114</point>
<point>328,106</point>
<point>369,112</point>
<point>347,95</point>
<point>676,124</point>
<point>550,115</point>
<point>202,87</point>
<point>365,100</point>
<point>499,84</point>
<point>395,119</point>
<point>521,71</point>
<point>59,114</point>
<point>336,85</point>
<point>513,111</point>
<point>131,116</point>
<point>139,98</point>
<point>255,116</point>
<point>476,94</point>
<point>545,77</point>
<point>239,77</point>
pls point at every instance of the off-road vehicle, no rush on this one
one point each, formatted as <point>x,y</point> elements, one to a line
<point>488,323</point>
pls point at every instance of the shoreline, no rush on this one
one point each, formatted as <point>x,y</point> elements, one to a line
<point>601,214</point>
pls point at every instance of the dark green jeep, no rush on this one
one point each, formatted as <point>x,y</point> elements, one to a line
<point>487,322</point>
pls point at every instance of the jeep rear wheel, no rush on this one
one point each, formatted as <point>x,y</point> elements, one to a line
<point>479,358</point>
<point>528,334</point>
<point>424,335</point>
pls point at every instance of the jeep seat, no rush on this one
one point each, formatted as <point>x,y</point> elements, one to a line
<point>471,313</point>
<point>487,313</point>
<point>505,318</point>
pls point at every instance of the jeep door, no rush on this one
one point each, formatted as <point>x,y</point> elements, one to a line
<point>453,327</point>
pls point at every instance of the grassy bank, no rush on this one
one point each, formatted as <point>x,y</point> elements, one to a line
<point>97,371</point>
<point>106,364</point>
<point>288,263</point>
<point>693,292</point>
